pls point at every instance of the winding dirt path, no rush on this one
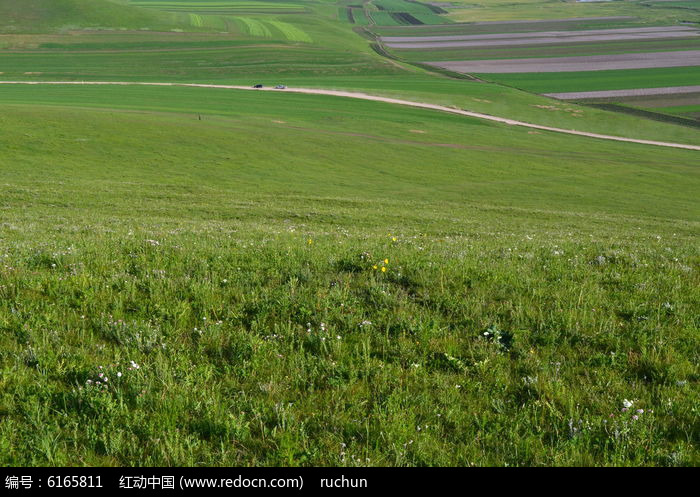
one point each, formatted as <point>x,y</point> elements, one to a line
<point>375,98</point>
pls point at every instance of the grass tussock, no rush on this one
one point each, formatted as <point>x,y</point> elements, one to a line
<point>295,346</point>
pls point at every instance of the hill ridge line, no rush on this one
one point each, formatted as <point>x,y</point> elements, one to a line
<point>375,98</point>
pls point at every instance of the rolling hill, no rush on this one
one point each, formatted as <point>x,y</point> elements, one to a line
<point>36,16</point>
<point>200,276</point>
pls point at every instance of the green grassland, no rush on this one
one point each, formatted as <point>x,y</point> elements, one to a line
<point>336,59</point>
<point>600,80</point>
<point>487,98</point>
<point>205,277</point>
<point>38,16</point>
<point>543,51</point>
<point>219,7</point>
<point>304,44</point>
<point>382,18</point>
<point>693,110</point>
<point>681,104</point>
<point>359,17</point>
<point>242,109</point>
<point>531,286</point>
<point>384,13</point>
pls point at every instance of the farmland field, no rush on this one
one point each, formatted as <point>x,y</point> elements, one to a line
<point>219,7</point>
<point>527,10</point>
<point>470,28</point>
<point>200,276</point>
<point>611,52</point>
<point>568,50</point>
<point>603,80</point>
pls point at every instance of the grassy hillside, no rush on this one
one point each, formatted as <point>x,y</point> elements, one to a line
<point>293,280</point>
<point>525,158</point>
<point>37,16</point>
<point>198,276</point>
<point>652,11</point>
<point>260,48</point>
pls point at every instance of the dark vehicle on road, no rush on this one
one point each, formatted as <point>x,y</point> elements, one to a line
<point>257,86</point>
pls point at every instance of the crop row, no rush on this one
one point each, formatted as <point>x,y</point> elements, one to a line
<point>267,28</point>
<point>600,80</point>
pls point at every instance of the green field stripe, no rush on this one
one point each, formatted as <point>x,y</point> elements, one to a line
<point>456,54</point>
<point>272,279</point>
<point>255,27</point>
<point>680,109</point>
<point>599,80</point>
<point>291,32</point>
<point>200,5</point>
<point>383,18</point>
<point>196,20</point>
<point>360,17</point>
<point>431,18</point>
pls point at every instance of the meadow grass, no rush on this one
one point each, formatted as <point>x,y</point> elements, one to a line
<point>600,80</point>
<point>331,282</point>
<point>218,7</point>
<point>39,16</point>
<point>381,13</point>
<point>208,277</point>
<point>352,73</point>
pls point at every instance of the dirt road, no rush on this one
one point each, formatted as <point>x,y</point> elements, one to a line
<point>364,96</point>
